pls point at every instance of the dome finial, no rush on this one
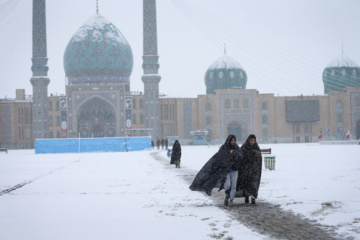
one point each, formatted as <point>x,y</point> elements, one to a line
<point>97,7</point>
<point>224,48</point>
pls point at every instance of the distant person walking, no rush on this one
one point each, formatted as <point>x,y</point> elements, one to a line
<point>166,143</point>
<point>152,144</point>
<point>250,169</point>
<point>162,142</point>
<point>176,153</point>
<point>220,171</point>
<point>158,144</point>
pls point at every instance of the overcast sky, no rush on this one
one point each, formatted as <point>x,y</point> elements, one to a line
<point>283,45</point>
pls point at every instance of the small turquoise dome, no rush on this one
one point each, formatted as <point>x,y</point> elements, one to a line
<point>340,73</point>
<point>225,73</point>
<point>98,53</point>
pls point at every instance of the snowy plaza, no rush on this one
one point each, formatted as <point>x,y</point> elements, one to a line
<point>139,195</point>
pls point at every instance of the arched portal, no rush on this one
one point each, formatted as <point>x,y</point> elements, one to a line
<point>96,118</point>
<point>358,129</point>
<point>235,128</point>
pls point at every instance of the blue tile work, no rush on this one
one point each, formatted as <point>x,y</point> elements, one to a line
<point>98,52</point>
<point>39,68</point>
<point>112,94</point>
<point>150,65</point>
<point>75,145</point>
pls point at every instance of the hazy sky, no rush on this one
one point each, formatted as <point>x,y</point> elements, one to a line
<point>283,45</point>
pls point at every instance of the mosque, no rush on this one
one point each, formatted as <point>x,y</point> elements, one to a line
<point>98,103</point>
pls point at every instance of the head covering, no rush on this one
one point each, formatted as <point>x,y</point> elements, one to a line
<point>227,142</point>
<point>247,142</point>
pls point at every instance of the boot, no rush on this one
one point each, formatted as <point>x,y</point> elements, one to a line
<point>226,200</point>
<point>253,202</point>
<point>247,199</point>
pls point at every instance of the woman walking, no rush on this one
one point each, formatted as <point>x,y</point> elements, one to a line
<point>220,171</point>
<point>250,169</point>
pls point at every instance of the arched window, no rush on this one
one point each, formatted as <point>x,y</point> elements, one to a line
<point>339,104</point>
<point>227,103</point>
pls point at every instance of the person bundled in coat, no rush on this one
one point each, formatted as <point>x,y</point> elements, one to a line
<point>176,153</point>
<point>250,169</point>
<point>216,170</point>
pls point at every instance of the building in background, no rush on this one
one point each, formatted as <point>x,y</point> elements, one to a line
<point>98,62</point>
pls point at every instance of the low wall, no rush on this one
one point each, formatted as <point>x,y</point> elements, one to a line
<point>74,145</point>
<point>340,142</point>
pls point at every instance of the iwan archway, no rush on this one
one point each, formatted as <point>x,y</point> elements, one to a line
<point>96,118</point>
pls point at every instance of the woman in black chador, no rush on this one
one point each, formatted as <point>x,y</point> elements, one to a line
<point>176,152</point>
<point>250,169</point>
<point>213,174</point>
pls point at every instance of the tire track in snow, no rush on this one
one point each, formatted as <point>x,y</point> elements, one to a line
<point>265,218</point>
<point>20,185</point>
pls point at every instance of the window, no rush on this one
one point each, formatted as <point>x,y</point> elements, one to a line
<point>297,128</point>
<point>236,103</point>
<point>339,117</point>
<point>141,104</point>
<point>57,105</point>
<point>50,105</point>
<point>50,121</point>
<point>264,119</point>
<point>166,112</point>
<point>57,120</point>
<point>306,127</point>
<point>58,134</point>
<point>134,103</point>
<point>134,118</point>
<point>264,132</point>
<point>141,118</point>
<point>227,103</point>
<point>208,120</point>
<point>264,106</point>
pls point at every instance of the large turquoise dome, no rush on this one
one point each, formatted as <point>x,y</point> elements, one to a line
<point>225,73</point>
<point>98,53</point>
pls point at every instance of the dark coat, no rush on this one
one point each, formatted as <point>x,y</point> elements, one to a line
<point>176,152</point>
<point>250,168</point>
<point>213,173</point>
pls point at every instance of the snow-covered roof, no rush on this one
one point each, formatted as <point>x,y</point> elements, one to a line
<point>225,62</point>
<point>342,61</point>
<point>96,26</point>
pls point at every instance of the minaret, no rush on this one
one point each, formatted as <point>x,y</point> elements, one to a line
<point>39,68</point>
<point>151,78</point>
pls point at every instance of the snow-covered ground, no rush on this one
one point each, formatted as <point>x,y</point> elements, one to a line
<point>132,195</point>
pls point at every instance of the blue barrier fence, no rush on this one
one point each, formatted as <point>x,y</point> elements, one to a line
<point>75,145</point>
